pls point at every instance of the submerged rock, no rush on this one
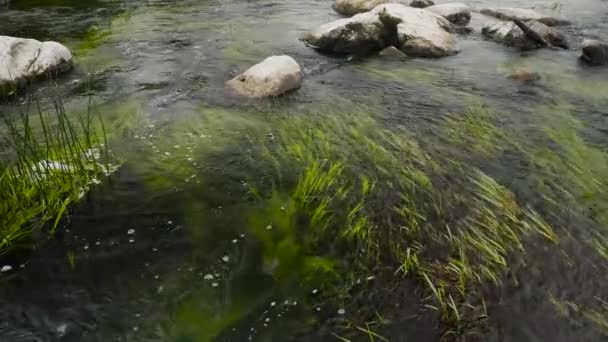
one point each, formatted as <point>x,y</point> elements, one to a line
<point>524,35</point>
<point>352,7</point>
<point>421,3</point>
<point>509,13</point>
<point>273,76</point>
<point>25,59</point>
<point>524,75</point>
<point>595,52</point>
<point>416,32</point>
<point>420,33</point>
<point>456,12</point>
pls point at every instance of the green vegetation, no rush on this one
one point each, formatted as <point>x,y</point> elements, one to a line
<point>596,315</point>
<point>476,132</point>
<point>337,182</point>
<point>47,162</point>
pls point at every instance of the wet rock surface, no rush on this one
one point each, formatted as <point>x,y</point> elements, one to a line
<point>457,13</point>
<point>511,13</point>
<point>525,35</point>
<point>25,59</point>
<point>274,76</point>
<point>595,52</point>
<point>416,32</point>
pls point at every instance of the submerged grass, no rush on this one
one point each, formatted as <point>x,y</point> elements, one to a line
<point>48,161</point>
<point>596,315</point>
<point>337,182</point>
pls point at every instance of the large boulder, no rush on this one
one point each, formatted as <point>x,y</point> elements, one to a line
<point>421,3</point>
<point>25,59</point>
<point>509,13</point>
<point>420,33</point>
<point>456,12</point>
<point>416,32</point>
<point>360,34</point>
<point>524,35</point>
<point>273,76</point>
<point>595,52</point>
<point>352,7</point>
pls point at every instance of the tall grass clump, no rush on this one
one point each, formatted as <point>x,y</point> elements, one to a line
<point>47,162</point>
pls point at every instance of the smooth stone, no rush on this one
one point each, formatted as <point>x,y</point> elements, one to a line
<point>392,52</point>
<point>420,33</point>
<point>595,52</point>
<point>457,13</point>
<point>421,3</point>
<point>273,76</point>
<point>510,13</point>
<point>25,59</point>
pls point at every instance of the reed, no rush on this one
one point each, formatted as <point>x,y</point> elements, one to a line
<point>47,162</point>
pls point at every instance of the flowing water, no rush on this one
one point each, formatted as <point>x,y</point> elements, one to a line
<point>166,250</point>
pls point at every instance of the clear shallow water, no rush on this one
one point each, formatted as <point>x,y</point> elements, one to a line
<point>157,70</point>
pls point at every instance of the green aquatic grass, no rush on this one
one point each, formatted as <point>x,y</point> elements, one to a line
<point>596,315</point>
<point>324,183</point>
<point>476,131</point>
<point>48,162</point>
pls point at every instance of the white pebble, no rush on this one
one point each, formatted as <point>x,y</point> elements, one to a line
<point>131,240</point>
<point>267,320</point>
<point>215,284</point>
<point>269,227</point>
<point>273,303</point>
<point>341,312</point>
<point>315,291</point>
<point>225,258</point>
<point>6,268</point>
<point>208,277</point>
<point>131,231</point>
<point>235,241</point>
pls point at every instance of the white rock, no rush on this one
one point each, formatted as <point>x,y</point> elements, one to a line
<point>274,76</point>
<point>595,52</point>
<point>510,13</point>
<point>420,33</point>
<point>24,59</point>
<point>6,268</point>
<point>456,12</point>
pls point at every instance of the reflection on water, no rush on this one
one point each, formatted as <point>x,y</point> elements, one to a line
<point>219,226</point>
